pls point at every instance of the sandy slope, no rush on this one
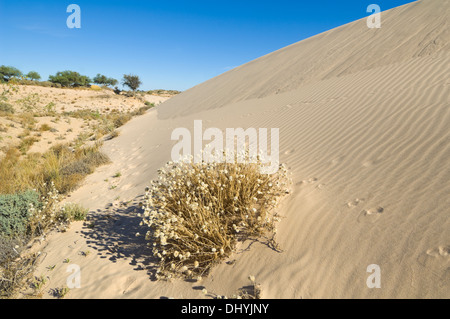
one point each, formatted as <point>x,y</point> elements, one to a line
<point>364,126</point>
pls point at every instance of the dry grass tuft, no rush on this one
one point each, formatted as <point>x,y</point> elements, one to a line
<point>197,212</point>
<point>63,165</point>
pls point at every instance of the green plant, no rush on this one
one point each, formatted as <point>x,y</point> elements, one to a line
<point>9,72</point>
<point>29,102</point>
<point>73,212</point>
<point>33,75</point>
<point>50,108</point>
<point>103,80</point>
<point>6,108</point>
<point>197,212</point>
<point>132,81</point>
<point>14,272</point>
<point>51,267</point>
<point>7,90</point>
<point>38,284</point>
<point>61,292</point>
<point>69,78</point>
<point>14,212</point>
<point>45,127</point>
<point>85,253</point>
<point>26,143</point>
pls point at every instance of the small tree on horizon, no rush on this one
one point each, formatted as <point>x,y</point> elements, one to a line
<point>8,72</point>
<point>33,75</point>
<point>70,78</point>
<point>104,80</point>
<point>132,81</point>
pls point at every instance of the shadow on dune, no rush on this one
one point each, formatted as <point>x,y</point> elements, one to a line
<point>112,233</point>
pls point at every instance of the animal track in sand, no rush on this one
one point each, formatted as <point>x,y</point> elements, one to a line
<point>130,281</point>
<point>441,251</point>
<point>373,211</point>
<point>355,202</point>
<point>337,160</point>
<point>289,152</point>
<point>371,162</point>
<point>309,181</point>
<point>126,187</point>
<point>370,215</point>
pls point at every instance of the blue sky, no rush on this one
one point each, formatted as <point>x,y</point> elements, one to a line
<point>169,44</point>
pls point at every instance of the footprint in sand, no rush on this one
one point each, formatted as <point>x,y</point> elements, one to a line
<point>309,181</point>
<point>368,163</point>
<point>355,202</point>
<point>129,282</point>
<point>337,160</point>
<point>373,211</point>
<point>288,152</point>
<point>126,187</point>
<point>441,251</point>
<point>370,215</point>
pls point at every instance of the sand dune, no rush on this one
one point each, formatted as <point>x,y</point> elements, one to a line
<point>364,123</point>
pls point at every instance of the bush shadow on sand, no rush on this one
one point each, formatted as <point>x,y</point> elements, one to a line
<point>111,232</point>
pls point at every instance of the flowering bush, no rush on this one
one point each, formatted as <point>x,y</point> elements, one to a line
<point>197,212</point>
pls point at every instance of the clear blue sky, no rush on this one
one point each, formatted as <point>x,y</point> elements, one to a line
<point>169,44</point>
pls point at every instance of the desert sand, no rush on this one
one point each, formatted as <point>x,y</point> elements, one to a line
<point>364,117</point>
<point>65,129</point>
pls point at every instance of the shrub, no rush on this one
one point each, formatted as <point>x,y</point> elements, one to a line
<point>45,127</point>
<point>197,212</point>
<point>83,163</point>
<point>50,108</point>
<point>36,216</point>
<point>70,78</point>
<point>46,84</point>
<point>9,72</point>
<point>14,272</point>
<point>56,165</point>
<point>6,108</point>
<point>14,212</point>
<point>73,212</point>
<point>103,80</point>
<point>26,143</point>
<point>33,75</point>
<point>29,103</point>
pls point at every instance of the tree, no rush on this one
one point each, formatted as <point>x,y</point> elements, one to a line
<point>104,80</point>
<point>132,81</point>
<point>70,78</point>
<point>8,72</point>
<point>33,75</point>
